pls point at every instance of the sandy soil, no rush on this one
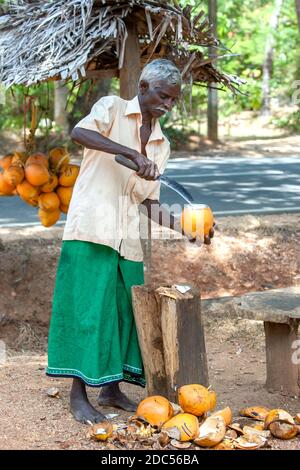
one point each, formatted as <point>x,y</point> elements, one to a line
<point>249,253</point>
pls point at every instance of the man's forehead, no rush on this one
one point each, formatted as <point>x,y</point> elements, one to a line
<point>172,90</point>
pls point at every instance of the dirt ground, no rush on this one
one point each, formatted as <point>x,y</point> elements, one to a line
<point>249,253</point>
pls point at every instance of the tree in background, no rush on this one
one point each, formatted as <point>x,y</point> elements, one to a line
<point>268,62</point>
<point>212,100</point>
<point>297,4</point>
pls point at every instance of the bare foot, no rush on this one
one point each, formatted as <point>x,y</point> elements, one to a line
<point>81,408</point>
<point>111,395</point>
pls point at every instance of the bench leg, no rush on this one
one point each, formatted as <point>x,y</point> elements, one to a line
<point>282,373</point>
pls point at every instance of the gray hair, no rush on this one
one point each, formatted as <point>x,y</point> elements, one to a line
<point>161,69</point>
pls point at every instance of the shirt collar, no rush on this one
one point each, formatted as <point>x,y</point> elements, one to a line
<point>133,107</point>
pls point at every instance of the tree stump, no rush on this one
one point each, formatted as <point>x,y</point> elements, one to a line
<point>171,338</point>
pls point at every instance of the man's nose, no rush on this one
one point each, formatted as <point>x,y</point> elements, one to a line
<point>168,103</point>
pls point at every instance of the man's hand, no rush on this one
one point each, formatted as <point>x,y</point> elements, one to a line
<point>147,169</point>
<point>207,238</point>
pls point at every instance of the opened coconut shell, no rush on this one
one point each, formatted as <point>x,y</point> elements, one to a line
<point>156,410</point>
<point>226,444</point>
<point>226,414</point>
<point>182,427</point>
<point>255,412</point>
<point>101,431</point>
<point>211,432</point>
<point>283,430</point>
<point>249,443</point>
<point>278,415</point>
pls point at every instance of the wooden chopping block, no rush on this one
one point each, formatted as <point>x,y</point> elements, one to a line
<point>171,335</point>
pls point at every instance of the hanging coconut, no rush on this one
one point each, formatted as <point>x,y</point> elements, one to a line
<point>49,218</point>
<point>58,156</point>
<point>68,175</point>
<point>28,192</point>
<point>5,161</point>
<point>37,174</point>
<point>63,208</point>
<point>156,410</point>
<point>14,175</point>
<point>64,194</point>
<point>6,189</point>
<point>39,159</point>
<point>48,201</point>
<point>50,185</point>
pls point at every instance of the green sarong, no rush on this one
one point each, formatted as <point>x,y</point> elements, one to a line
<point>92,330</point>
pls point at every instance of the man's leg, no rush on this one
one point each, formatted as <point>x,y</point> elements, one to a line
<point>111,395</point>
<point>81,408</point>
<point>129,273</point>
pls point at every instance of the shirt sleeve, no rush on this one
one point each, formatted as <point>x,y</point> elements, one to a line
<point>101,116</point>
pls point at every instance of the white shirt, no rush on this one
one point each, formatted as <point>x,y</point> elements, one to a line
<point>104,204</point>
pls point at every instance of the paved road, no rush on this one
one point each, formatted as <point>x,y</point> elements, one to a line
<point>230,186</point>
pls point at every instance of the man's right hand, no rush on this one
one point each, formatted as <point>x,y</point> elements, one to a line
<point>147,169</point>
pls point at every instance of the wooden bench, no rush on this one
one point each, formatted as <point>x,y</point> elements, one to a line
<point>279,309</point>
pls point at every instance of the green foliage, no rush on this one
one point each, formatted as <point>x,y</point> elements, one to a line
<point>13,113</point>
<point>243,28</point>
<point>290,122</point>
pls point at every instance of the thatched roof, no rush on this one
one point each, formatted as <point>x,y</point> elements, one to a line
<point>44,40</point>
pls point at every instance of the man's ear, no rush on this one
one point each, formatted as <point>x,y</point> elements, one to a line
<point>144,86</point>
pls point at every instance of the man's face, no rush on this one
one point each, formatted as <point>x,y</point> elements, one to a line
<point>159,98</point>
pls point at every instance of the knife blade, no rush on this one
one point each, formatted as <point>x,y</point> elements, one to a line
<point>172,184</point>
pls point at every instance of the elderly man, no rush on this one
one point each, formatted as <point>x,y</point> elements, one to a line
<point>92,334</point>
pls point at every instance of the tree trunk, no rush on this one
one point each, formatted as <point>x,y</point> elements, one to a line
<point>268,62</point>
<point>212,105</point>
<point>297,4</point>
<point>131,70</point>
<point>60,102</point>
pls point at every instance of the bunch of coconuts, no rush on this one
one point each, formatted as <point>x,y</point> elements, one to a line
<point>40,180</point>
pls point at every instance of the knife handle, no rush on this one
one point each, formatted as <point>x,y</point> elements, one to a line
<point>126,162</point>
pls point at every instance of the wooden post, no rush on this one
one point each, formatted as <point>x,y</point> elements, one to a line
<point>131,70</point>
<point>171,338</point>
<point>282,373</point>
